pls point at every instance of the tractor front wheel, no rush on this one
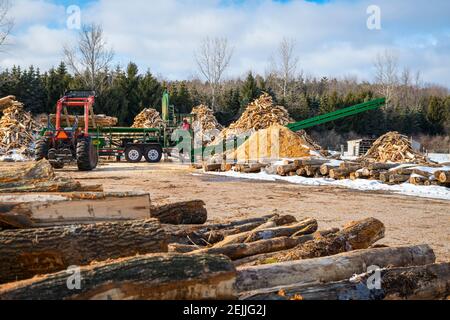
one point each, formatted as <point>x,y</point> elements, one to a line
<point>87,156</point>
<point>41,149</point>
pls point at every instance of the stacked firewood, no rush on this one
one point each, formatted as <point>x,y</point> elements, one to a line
<point>271,257</point>
<point>100,120</point>
<point>17,127</point>
<point>148,118</point>
<point>205,119</point>
<point>394,148</point>
<point>261,114</point>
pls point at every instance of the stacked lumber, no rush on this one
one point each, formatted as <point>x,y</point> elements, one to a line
<point>148,118</point>
<point>395,148</point>
<point>100,120</point>
<point>261,114</point>
<point>16,127</point>
<point>39,177</point>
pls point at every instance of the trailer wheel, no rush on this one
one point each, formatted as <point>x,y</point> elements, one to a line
<point>87,157</point>
<point>57,165</point>
<point>41,149</point>
<point>153,154</point>
<point>133,154</point>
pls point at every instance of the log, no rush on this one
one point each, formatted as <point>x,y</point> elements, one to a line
<point>23,211</point>
<point>444,177</point>
<point>255,259</point>
<point>26,253</point>
<point>301,172</point>
<point>208,167</point>
<point>182,248</point>
<point>333,268</point>
<point>384,176</point>
<point>312,170</point>
<point>187,212</point>
<point>286,169</point>
<point>101,120</point>
<point>357,235</point>
<point>428,282</point>
<point>417,180</point>
<point>307,226</point>
<point>381,166</point>
<point>339,173</point>
<point>326,168</point>
<point>242,250</point>
<point>6,102</point>
<point>398,178</point>
<point>149,277</point>
<point>310,162</point>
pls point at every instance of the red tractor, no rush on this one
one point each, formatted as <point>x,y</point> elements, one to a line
<point>61,145</point>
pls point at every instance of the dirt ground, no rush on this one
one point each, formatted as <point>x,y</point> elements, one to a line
<point>408,220</point>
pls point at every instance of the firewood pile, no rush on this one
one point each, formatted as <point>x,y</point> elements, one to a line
<point>260,114</point>
<point>148,118</point>
<point>270,257</point>
<point>205,119</point>
<point>394,148</point>
<point>16,127</point>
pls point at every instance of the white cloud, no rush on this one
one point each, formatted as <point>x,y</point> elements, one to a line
<point>332,39</point>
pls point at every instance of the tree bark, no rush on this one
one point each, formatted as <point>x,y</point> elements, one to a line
<point>189,212</point>
<point>307,226</point>
<point>358,235</point>
<point>428,282</point>
<point>334,268</point>
<point>26,253</point>
<point>149,277</point>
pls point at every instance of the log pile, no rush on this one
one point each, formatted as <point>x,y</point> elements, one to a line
<point>39,177</point>
<point>271,257</point>
<point>394,148</point>
<point>205,119</point>
<point>16,127</point>
<point>148,118</point>
<point>100,120</point>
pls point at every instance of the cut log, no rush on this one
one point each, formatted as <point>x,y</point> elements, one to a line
<point>241,250</point>
<point>149,277</point>
<point>312,170</point>
<point>307,226</point>
<point>358,235</point>
<point>256,259</point>
<point>310,162</point>
<point>286,169</point>
<point>381,166</point>
<point>208,167</point>
<point>444,177</point>
<point>417,180</point>
<point>398,178</point>
<point>430,282</point>
<point>333,268</point>
<point>384,176</point>
<point>301,172</point>
<point>187,212</point>
<point>339,173</point>
<point>326,168</point>
<point>26,253</point>
<point>182,248</point>
<point>100,120</point>
<point>22,211</point>
<point>39,177</point>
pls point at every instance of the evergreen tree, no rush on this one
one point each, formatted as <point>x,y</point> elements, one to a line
<point>249,91</point>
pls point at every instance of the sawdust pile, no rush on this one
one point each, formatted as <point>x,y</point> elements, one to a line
<point>261,114</point>
<point>148,118</point>
<point>17,128</point>
<point>275,142</point>
<point>396,148</point>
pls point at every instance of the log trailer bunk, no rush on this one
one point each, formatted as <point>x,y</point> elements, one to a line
<point>63,145</point>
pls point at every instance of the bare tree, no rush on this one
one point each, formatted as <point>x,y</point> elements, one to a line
<point>284,66</point>
<point>213,58</point>
<point>6,23</point>
<point>90,58</point>
<point>386,76</point>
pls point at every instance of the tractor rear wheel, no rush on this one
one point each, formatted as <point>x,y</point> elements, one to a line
<point>41,149</point>
<point>87,157</point>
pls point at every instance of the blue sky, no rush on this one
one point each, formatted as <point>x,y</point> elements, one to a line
<point>332,38</point>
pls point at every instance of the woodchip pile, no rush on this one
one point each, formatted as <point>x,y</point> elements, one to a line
<point>16,127</point>
<point>395,148</point>
<point>148,118</point>
<point>270,257</point>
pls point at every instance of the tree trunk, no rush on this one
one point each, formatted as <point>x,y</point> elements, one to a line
<point>189,212</point>
<point>22,211</point>
<point>149,277</point>
<point>333,268</point>
<point>428,282</point>
<point>26,253</point>
<point>307,226</point>
<point>358,235</point>
<point>286,169</point>
<point>242,250</point>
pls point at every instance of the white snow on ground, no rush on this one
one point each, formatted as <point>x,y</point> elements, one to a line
<point>439,157</point>
<point>433,192</point>
<point>13,156</point>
